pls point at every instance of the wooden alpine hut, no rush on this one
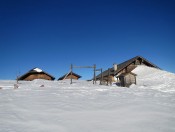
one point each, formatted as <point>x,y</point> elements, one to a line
<point>69,75</point>
<point>36,73</point>
<point>121,72</point>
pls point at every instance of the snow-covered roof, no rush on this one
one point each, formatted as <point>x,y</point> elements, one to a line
<point>123,65</point>
<point>34,71</point>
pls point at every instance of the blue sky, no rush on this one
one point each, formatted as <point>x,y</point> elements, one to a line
<point>52,34</point>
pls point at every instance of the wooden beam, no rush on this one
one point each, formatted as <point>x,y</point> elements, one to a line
<point>83,66</point>
<point>94,67</point>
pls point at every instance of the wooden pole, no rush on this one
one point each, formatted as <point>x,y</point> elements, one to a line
<point>101,77</point>
<point>102,73</point>
<point>17,80</point>
<point>108,76</point>
<point>83,66</point>
<point>135,80</point>
<point>95,72</point>
<point>94,80</point>
<point>71,73</point>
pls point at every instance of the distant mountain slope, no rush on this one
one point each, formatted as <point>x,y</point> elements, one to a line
<point>155,78</point>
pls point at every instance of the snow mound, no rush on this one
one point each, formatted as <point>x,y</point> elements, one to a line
<point>148,77</point>
<point>59,106</point>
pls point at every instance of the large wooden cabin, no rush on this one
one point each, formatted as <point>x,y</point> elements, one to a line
<point>112,74</point>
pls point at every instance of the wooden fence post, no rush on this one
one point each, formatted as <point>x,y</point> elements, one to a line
<point>108,76</point>
<point>71,66</point>
<point>94,74</point>
<point>101,78</point>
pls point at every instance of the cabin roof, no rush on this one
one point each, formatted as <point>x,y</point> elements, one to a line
<point>34,71</point>
<point>64,76</point>
<point>124,64</point>
<point>124,74</point>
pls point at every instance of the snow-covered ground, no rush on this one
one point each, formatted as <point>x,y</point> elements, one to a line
<point>58,106</point>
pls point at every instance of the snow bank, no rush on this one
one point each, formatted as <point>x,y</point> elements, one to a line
<point>58,106</point>
<point>153,78</point>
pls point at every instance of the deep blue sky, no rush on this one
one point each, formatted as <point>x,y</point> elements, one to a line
<point>52,34</point>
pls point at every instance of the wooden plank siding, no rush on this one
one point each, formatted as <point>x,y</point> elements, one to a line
<point>37,76</point>
<point>73,77</point>
<point>126,79</point>
<point>36,73</point>
<point>69,75</point>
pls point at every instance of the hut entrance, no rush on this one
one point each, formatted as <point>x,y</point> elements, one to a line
<point>126,79</point>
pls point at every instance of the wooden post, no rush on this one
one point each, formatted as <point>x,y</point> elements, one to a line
<point>17,80</point>
<point>124,82</point>
<point>101,78</point>
<point>95,73</point>
<point>94,80</point>
<point>135,80</point>
<point>108,76</point>
<point>71,67</point>
<point>102,74</point>
<point>94,66</point>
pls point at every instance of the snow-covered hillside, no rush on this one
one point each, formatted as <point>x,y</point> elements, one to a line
<point>57,106</point>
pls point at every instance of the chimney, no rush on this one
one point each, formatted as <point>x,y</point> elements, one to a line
<point>115,67</point>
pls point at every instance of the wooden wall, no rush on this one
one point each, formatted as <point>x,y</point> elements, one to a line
<point>111,78</point>
<point>131,67</point>
<point>38,76</point>
<point>138,62</point>
<point>73,77</point>
<point>127,80</point>
<point>128,69</point>
<point>107,80</point>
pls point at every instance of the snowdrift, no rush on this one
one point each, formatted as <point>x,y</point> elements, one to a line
<point>153,78</point>
<point>57,106</point>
